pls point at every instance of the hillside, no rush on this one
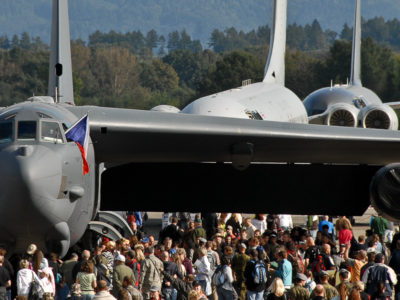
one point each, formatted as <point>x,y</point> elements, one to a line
<point>199,17</point>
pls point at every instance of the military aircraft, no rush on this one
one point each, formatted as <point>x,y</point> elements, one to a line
<point>267,100</point>
<point>351,104</point>
<point>156,161</point>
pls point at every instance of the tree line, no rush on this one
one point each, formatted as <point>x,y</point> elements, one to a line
<point>134,70</point>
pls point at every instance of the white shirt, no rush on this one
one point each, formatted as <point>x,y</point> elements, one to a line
<point>24,279</point>
<point>260,224</point>
<point>286,221</point>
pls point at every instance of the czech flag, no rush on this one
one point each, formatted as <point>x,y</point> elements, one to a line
<point>79,133</point>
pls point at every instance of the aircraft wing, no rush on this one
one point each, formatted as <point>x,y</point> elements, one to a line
<point>394,105</point>
<point>317,119</point>
<point>125,136</point>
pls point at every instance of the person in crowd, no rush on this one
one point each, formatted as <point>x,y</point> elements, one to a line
<point>172,231</point>
<point>277,290</point>
<point>330,291</point>
<point>239,262</point>
<point>318,293</point>
<point>151,273</point>
<point>249,227</point>
<point>235,222</point>
<point>344,276</point>
<point>169,292</point>
<point>39,262</point>
<point>85,256</point>
<point>87,280</point>
<point>120,272</point>
<point>272,223</point>
<point>377,273</point>
<point>255,290</point>
<point>67,267</point>
<point>285,269</point>
<point>298,291</point>
<point>394,263</point>
<point>46,276</point>
<point>185,261</point>
<point>378,226</point>
<point>203,270</point>
<point>356,264</point>
<point>27,280</point>
<point>286,222</point>
<point>325,221</point>
<point>134,293</point>
<point>5,279</point>
<point>225,287</point>
<point>102,292</point>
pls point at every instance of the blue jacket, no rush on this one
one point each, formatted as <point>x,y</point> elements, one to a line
<point>285,272</point>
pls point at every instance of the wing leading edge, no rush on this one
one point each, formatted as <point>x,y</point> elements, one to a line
<point>124,136</point>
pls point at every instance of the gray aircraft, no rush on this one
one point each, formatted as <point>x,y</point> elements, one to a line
<point>351,104</point>
<point>155,161</point>
<point>267,100</point>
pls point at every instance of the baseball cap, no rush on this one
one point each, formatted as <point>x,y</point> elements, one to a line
<point>120,257</point>
<point>301,276</point>
<point>154,288</point>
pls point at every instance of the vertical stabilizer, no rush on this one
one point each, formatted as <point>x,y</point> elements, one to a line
<point>60,68</point>
<point>275,67</point>
<point>355,78</point>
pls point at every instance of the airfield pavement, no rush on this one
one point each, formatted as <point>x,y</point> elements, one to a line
<point>153,225</point>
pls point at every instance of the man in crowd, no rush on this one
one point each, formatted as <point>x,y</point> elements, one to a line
<point>255,291</point>
<point>102,292</point>
<point>120,272</point>
<point>151,273</point>
<point>379,272</point>
<point>299,292</point>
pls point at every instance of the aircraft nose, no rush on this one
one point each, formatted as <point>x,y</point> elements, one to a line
<point>30,179</point>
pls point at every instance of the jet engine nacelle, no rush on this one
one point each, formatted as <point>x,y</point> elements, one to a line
<point>378,116</point>
<point>342,114</point>
<point>385,191</point>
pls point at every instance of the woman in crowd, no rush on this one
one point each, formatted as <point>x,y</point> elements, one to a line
<point>277,290</point>
<point>27,280</point>
<point>87,280</point>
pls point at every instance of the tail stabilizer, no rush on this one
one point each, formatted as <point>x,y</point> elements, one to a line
<point>60,67</point>
<point>275,68</point>
<point>355,78</point>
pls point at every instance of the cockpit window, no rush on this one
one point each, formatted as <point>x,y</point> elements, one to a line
<point>26,130</point>
<point>50,132</point>
<point>5,132</point>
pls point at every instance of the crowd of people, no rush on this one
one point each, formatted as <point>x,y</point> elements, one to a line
<point>219,257</point>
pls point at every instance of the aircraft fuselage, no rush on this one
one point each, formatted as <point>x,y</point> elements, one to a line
<point>41,179</point>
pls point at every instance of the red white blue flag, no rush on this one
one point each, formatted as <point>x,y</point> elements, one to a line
<point>79,133</point>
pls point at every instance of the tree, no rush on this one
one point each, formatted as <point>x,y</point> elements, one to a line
<point>187,66</point>
<point>230,72</point>
<point>158,76</point>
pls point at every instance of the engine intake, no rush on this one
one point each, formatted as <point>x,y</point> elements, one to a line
<point>379,116</point>
<point>385,191</point>
<point>342,114</point>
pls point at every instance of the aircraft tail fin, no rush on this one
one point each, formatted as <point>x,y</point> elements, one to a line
<point>355,78</point>
<point>275,68</point>
<point>60,67</point>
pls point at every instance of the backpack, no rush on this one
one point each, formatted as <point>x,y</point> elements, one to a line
<point>212,260</point>
<point>218,278</point>
<point>318,263</point>
<point>297,263</point>
<point>260,273</point>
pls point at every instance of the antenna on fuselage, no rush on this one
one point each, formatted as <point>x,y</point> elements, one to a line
<point>60,67</point>
<point>275,68</point>
<point>355,78</point>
